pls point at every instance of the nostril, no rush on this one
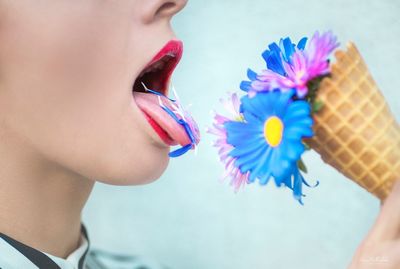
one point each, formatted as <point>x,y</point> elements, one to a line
<point>167,9</point>
<point>161,9</point>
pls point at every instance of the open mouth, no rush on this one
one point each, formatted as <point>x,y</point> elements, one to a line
<point>156,77</point>
<point>157,73</point>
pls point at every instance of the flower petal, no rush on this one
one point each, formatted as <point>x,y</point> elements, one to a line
<point>262,165</point>
<point>248,147</point>
<point>302,43</point>
<point>289,48</point>
<point>251,74</point>
<point>297,109</point>
<point>245,86</point>
<point>294,150</point>
<point>295,132</point>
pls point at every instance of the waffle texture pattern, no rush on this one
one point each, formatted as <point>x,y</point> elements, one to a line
<point>355,131</point>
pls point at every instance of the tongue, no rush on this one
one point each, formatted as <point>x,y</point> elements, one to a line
<point>149,103</point>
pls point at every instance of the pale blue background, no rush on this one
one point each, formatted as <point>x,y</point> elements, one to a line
<point>188,219</point>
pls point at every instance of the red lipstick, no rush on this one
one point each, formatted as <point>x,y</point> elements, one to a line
<point>156,76</point>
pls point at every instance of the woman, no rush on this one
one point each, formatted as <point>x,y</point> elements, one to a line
<point>74,111</point>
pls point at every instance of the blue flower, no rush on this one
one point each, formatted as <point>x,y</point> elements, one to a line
<point>295,182</point>
<point>268,143</point>
<point>274,55</point>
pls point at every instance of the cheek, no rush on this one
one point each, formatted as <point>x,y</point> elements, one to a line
<point>113,147</point>
<point>105,143</point>
<point>99,137</point>
<point>74,101</point>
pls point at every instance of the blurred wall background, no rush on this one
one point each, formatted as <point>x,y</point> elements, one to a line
<point>189,219</point>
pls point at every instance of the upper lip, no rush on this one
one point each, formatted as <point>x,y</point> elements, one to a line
<point>157,73</point>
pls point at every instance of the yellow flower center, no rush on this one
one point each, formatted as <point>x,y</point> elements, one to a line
<point>273,131</point>
<point>239,118</point>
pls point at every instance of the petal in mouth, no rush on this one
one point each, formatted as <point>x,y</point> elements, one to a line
<point>176,111</point>
<point>168,118</point>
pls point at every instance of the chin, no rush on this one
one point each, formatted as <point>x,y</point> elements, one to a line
<point>150,172</point>
<point>143,169</point>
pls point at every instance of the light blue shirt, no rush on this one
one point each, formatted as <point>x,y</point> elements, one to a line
<point>16,255</point>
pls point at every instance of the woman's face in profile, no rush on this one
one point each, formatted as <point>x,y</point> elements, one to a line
<point>67,69</point>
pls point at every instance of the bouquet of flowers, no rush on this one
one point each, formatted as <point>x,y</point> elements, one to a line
<point>301,101</point>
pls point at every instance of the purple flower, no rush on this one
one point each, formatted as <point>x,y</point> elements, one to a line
<point>318,51</point>
<point>301,67</point>
<point>296,76</point>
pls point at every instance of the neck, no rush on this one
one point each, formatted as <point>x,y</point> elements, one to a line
<point>40,201</point>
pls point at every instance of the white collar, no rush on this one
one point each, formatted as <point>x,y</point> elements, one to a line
<point>15,254</point>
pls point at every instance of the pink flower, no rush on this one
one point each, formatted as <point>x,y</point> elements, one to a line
<point>232,173</point>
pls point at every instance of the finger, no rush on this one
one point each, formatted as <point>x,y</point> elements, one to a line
<point>393,254</point>
<point>387,225</point>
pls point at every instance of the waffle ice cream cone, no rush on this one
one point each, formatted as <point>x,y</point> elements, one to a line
<point>355,131</point>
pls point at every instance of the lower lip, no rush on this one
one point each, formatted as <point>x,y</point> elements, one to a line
<point>175,47</point>
<point>159,130</point>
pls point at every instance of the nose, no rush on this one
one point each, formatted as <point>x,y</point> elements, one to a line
<point>162,9</point>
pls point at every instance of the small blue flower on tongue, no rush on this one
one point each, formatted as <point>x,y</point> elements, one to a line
<point>183,118</point>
